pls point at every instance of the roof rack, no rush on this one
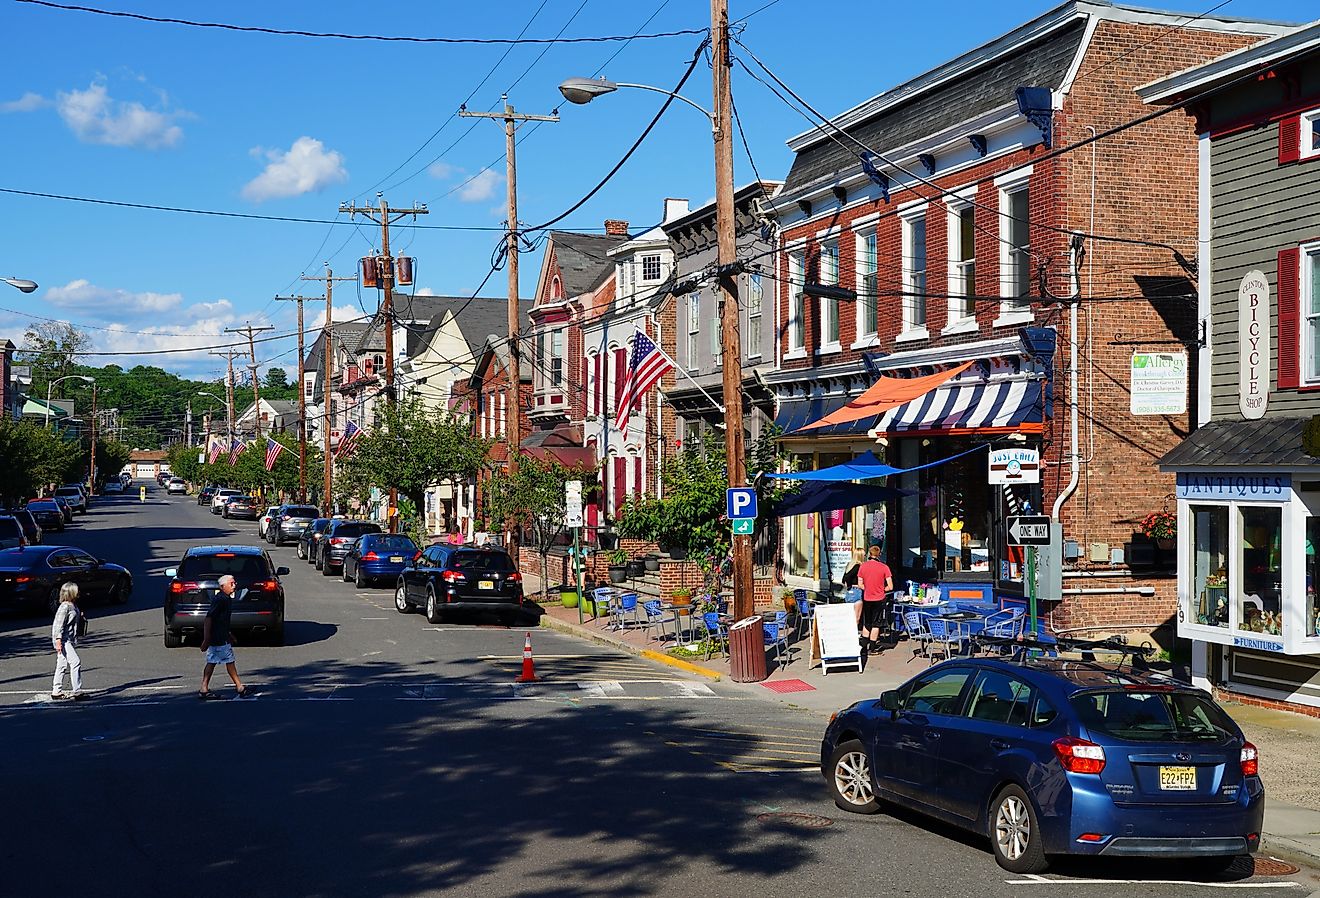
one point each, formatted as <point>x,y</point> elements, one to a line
<point>1135,655</point>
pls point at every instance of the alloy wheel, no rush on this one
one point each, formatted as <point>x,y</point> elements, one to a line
<point>852,778</point>
<point>400,600</point>
<point>1012,827</point>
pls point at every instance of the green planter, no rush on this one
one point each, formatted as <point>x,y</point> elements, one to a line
<point>568,598</point>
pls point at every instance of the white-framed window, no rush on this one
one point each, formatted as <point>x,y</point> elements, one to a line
<point>754,304</point>
<point>1310,310</point>
<point>1015,244</point>
<point>625,280</point>
<point>829,306</point>
<point>717,343</point>
<point>651,267</point>
<point>962,261</point>
<point>540,368</point>
<point>557,357</point>
<point>914,269</point>
<point>693,328</point>
<point>868,295</point>
<point>797,304</point>
<point>1310,122</point>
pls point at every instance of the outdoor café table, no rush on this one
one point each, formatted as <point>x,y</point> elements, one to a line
<point>969,625</point>
<point>901,608</point>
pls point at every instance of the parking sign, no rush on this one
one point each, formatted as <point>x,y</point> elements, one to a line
<point>740,502</point>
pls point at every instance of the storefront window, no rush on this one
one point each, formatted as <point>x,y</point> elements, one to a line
<point>801,534</point>
<point>965,515</point>
<point>1260,610</point>
<point>1210,565</point>
<point>1312,576</point>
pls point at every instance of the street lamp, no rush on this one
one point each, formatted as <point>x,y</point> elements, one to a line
<point>82,377</point>
<point>225,402</point>
<point>583,90</point>
<point>21,283</point>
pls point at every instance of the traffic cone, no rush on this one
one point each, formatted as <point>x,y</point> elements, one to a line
<point>528,669</point>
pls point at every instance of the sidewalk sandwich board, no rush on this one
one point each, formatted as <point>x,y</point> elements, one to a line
<point>834,638</point>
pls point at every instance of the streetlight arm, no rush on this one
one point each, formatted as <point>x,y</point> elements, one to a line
<point>584,90</point>
<point>670,93</point>
<point>21,283</point>
<point>51,384</point>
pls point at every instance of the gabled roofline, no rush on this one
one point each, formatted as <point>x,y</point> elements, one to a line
<point>1295,42</point>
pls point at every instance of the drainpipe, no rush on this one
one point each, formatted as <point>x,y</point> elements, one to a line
<point>1074,457</point>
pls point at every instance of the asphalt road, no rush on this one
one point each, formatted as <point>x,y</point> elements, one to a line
<point>386,757</point>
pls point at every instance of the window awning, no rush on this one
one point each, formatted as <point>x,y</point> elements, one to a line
<point>885,394</point>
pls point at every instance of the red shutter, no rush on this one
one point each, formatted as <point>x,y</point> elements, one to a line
<point>581,391</point>
<point>1290,138</point>
<point>620,372</point>
<point>595,385</point>
<point>620,484</point>
<point>637,475</point>
<point>1289,312</point>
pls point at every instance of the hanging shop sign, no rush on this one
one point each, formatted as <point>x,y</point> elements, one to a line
<point>1253,345</point>
<point>1159,383</point>
<point>1241,485</point>
<point>1016,465</point>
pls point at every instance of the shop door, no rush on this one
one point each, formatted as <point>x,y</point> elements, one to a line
<point>1311,568</point>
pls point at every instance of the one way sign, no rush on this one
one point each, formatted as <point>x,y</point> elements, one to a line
<point>1029,530</point>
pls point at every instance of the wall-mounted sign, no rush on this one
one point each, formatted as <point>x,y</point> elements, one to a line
<point>1159,383</point>
<point>1245,485</point>
<point>1016,465</point>
<point>1253,345</point>
<point>1253,642</point>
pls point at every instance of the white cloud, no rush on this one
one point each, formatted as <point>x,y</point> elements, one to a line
<point>481,187</point>
<point>306,166</point>
<point>426,291</point>
<point>96,117</point>
<point>83,295</point>
<point>26,103</point>
<point>441,170</point>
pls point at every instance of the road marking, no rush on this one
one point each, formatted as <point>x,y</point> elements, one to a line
<point>1037,880</point>
<point>375,618</point>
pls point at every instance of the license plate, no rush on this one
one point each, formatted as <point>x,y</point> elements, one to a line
<point>486,584</point>
<point>395,559</point>
<point>1178,779</point>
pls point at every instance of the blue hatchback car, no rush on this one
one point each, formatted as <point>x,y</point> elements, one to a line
<point>378,556</point>
<point>1052,757</point>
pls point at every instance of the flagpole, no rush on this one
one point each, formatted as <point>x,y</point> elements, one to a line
<point>679,368</point>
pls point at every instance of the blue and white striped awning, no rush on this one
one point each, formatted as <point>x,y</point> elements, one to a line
<point>970,406</point>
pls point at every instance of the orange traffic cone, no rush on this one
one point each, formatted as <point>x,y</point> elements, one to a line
<point>528,670</point>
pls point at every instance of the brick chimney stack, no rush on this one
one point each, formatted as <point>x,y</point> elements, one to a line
<point>616,228</point>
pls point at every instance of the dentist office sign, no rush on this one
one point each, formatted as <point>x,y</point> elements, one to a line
<point>1253,345</point>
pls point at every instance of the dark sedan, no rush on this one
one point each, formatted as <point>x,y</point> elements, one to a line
<point>258,605</point>
<point>240,507</point>
<point>205,494</point>
<point>48,514</point>
<point>31,577</point>
<point>65,508</point>
<point>31,528</point>
<point>378,556</point>
<point>11,532</point>
<point>339,538</point>
<point>310,538</point>
<point>460,578</point>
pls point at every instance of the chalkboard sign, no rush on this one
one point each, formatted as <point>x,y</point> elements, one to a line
<point>834,640</point>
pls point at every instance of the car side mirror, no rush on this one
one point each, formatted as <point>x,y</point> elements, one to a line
<point>281,571</point>
<point>889,700</point>
<point>171,572</point>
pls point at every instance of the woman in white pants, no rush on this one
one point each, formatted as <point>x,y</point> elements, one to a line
<point>64,634</point>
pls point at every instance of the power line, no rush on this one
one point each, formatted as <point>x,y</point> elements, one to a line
<point>289,32</point>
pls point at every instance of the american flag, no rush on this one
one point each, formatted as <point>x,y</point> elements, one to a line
<point>349,439</point>
<point>649,364</point>
<point>273,450</point>
<point>217,446</point>
<point>235,450</point>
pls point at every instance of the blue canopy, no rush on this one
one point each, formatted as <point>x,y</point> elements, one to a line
<point>864,467</point>
<point>816,497</point>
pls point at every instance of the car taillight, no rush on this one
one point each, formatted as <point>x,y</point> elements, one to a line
<point>339,540</point>
<point>267,586</point>
<point>22,579</point>
<point>515,577</point>
<point>371,556</point>
<point>1250,760</point>
<point>453,577</point>
<point>177,587</point>
<point>1079,756</point>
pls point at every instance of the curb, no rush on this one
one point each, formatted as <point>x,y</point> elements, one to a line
<point>1288,849</point>
<point>551,623</point>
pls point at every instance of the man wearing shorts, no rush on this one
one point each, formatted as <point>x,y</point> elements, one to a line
<point>217,641</point>
<point>877,581</point>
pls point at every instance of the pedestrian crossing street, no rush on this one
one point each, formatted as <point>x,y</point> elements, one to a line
<point>781,750</point>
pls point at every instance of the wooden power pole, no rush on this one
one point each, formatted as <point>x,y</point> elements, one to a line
<point>381,214</point>
<point>302,397</point>
<point>228,356</point>
<point>250,332</point>
<point>327,354</point>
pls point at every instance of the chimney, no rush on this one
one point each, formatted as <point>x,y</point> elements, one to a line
<point>616,228</point>
<point>675,208</point>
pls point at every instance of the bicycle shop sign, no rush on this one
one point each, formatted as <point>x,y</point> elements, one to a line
<point>1253,345</point>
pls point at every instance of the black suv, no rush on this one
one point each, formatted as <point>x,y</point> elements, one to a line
<point>339,538</point>
<point>460,578</point>
<point>258,601</point>
<point>205,494</point>
<point>310,538</point>
<point>288,523</point>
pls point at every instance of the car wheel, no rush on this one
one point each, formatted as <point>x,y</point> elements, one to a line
<point>401,599</point>
<point>319,562</point>
<point>1015,833</point>
<point>358,580</point>
<point>276,541</point>
<point>326,571</point>
<point>172,639</point>
<point>850,779</point>
<point>53,603</point>
<point>432,606</point>
<point>343,572</point>
<point>119,595</point>
<point>302,550</point>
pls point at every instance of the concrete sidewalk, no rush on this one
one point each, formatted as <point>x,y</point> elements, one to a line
<point>1286,741</point>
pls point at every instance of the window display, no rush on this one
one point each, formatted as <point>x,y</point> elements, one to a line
<point>1260,609</point>
<point>1312,572</point>
<point>1210,564</point>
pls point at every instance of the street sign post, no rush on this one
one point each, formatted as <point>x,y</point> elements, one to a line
<point>740,501</point>
<point>573,503</point>
<point>1029,530</point>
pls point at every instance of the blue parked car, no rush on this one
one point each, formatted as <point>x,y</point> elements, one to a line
<point>378,556</point>
<point>1051,757</point>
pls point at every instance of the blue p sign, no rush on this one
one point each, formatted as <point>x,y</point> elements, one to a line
<point>741,502</point>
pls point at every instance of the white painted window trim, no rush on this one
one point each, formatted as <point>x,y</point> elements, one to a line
<point>829,306</point>
<point>957,289</point>
<point>908,216</point>
<point>863,232</point>
<point>829,233</point>
<point>864,222</point>
<point>1010,311</point>
<point>1309,122</point>
<point>912,335</point>
<point>797,326</point>
<point>1310,258</point>
<point>961,326</point>
<point>693,329</point>
<point>1014,179</point>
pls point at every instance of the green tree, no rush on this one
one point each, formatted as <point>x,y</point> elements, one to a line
<point>276,379</point>
<point>51,349</point>
<point>532,498</point>
<point>35,458</point>
<point>111,457</point>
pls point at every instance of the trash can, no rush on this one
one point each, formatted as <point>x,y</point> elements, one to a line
<point>747,650</point>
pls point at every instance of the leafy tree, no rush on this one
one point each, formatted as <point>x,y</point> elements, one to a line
<point>111,457</point>
<point>276,379</point>
<point>35,458</point>
<point>52,348</point>
<point>533,498</point>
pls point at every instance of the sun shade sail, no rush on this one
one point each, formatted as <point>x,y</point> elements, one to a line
<point>887,393</point>
<point>814,497</point>
<point>864,467</point>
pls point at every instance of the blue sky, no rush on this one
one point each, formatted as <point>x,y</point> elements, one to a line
<point>290,126</point>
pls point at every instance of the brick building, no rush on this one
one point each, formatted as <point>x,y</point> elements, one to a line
<point>933,240</point>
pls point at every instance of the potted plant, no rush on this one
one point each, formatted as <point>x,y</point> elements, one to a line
<point>568,595</point>
<point>651,562</point>
<point>1161,527</point>
<point>606,537</point>
<point>618,566</point>
<point>636,567</point>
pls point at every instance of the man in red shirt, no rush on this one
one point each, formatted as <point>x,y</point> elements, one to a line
<point>877,581</point>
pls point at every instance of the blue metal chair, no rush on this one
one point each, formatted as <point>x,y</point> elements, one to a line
<point>806,615</point>
<point>1006,624</point>
<point>776,635</point>
<point>944,633</point>
<point>717,634</point>
<point>914,622</point>
<point>624,610</point>
<point>602,596</point>
<point>655,616</point>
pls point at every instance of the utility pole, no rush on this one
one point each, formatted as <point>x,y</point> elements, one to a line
<point>249,331</point>
<point>725,228</point>
<point>228,356</point>
<point>327,341</point>
<point>302,399</point>
<point>91,467</point>
<point>381,215</point>
<point>187,426</point>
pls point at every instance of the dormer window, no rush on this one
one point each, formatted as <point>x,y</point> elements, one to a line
<point>651,267</point>
<point>556,289</point>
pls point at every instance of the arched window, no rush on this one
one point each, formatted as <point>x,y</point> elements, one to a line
<point>556,289</point>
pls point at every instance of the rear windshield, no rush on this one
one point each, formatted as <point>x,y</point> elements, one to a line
<point>482,562</point>
<point>42,506</point>
<point>68,491</point>
<point>356,528</point>
<point>247,499</point>
<point>1152,716</point>
<point>392,543</point>
<point>318,526</point>
<point>9,528</point>
<point>244,568</point>
<point>302,511</point>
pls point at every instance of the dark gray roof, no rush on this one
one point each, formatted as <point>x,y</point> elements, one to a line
<point>583,259</point>
<point>1243,445</point>
<point>478,319</point>
<point>283,406</point>
<point>1042,64</point>
<point>315,360</point>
